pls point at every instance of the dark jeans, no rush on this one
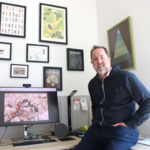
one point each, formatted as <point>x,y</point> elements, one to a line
<point>108,138</point>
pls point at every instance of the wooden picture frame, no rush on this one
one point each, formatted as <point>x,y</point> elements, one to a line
<point>52,77</point>
<point>121,46</point>
<point>53,24</point>
<point>75,59</point>
<point>12,20</point>
<point>19,71</point>
<point>37,53</point>
<point>5,51</point>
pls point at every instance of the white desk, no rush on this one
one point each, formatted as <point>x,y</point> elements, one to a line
<point>50,146</point>
<point>140,147</point>
<point>59,145</point>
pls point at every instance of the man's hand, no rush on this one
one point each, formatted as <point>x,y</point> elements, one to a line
<point>120,124</point>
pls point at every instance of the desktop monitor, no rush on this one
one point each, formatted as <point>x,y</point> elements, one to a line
<point>26,106</point>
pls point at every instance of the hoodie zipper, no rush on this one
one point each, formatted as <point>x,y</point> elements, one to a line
<point>102,102</point>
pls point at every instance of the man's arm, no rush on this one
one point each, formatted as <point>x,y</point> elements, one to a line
<point>141,95</point>
<point>93,103</point>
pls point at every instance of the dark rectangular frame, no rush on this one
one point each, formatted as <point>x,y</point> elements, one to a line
<point>11,65</point>
<point>45,78</point>
<point>50,26</point>
<point>69,59</point>
<point>27,52</point>
<point>9,50</point>
<point>123,29</point>
<point>24,21</point>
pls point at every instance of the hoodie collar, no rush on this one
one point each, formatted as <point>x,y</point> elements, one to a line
<point>110,73</point>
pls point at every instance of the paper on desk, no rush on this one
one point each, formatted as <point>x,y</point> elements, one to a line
<point>83,103</point>
<point>143,139</point>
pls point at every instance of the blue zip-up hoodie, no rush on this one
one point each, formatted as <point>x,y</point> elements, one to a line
<point>113,99</point>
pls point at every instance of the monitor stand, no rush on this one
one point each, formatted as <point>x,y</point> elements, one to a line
<point>26,137</point>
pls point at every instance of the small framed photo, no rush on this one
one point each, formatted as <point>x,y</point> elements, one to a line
<point>37,53</point>
<point>52,77</point>
<point>75,59</point>
<point>53,24</point>
<point>5,51</point>
<point>12,20</point>
<point>121,45</point>
<point>19,71</point>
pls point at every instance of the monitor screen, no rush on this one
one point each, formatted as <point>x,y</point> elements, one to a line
<point>24,106</point>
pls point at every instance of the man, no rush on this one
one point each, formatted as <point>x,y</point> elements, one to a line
<point>113,94</point>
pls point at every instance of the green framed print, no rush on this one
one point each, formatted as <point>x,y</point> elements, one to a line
<point>53,24</point>
<point>121,46</point>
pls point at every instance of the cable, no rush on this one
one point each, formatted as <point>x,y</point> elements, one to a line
<point>3,135</point>
<point>22,131</point>
<point>5,143</point>
<point>29,126</point>
<point>2,138</point>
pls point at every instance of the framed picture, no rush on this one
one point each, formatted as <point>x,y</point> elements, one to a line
<point>75,59</point>
<point>19,71</point>
<point>52,77</point>
<point>37,53</point>
<point>12,20</point>
<point>5,51</point>
<point>121,46</point>
<point>53,24</point>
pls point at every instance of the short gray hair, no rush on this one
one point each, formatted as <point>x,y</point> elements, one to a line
<point>95,47</point>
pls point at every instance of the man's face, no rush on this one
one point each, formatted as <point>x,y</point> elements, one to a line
<point>100,61</point>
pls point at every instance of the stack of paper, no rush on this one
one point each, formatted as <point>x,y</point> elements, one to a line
<point>143,139</point>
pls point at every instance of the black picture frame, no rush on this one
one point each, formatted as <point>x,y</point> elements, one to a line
<point>75,59</point>
<point>5,51</point>
<point>19,71</point>
<point>52,77</point>
<point>37,53</point>
<point>53,24</point>
<point>12,20</point>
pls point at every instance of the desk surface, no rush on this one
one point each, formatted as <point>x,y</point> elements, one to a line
<point>59,145</point>
<point>52,146</point>
<point>140,147</point>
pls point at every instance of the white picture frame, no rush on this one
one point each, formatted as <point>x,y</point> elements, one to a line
<point>5,51</point>
<point>37,53</point>
<point>19,71</point>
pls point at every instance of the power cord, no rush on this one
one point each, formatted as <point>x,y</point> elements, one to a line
<point>4,143</point>
<point>3,135</point>
<point>29,126</point>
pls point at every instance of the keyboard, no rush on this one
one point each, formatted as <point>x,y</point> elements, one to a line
<point>36,142</point>
<point>66,139</point>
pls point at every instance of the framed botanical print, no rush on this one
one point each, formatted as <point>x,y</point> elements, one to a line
<point>53,24</point>
<point>52,77</point>
<point>19,71</point>
<point>121,45</point>
<point>37,53</point>
<point>5,51</point>
<point>75,59</point>
<point>12,20</point>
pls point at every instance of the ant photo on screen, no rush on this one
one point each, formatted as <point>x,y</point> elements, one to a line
<point>25,107</point>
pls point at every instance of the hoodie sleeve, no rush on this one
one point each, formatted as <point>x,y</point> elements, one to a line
<point>142,97</point>
<point>93,103</point>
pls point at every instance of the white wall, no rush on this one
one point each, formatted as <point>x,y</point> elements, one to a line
<point>111,12</point>
<point>82,34</point>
